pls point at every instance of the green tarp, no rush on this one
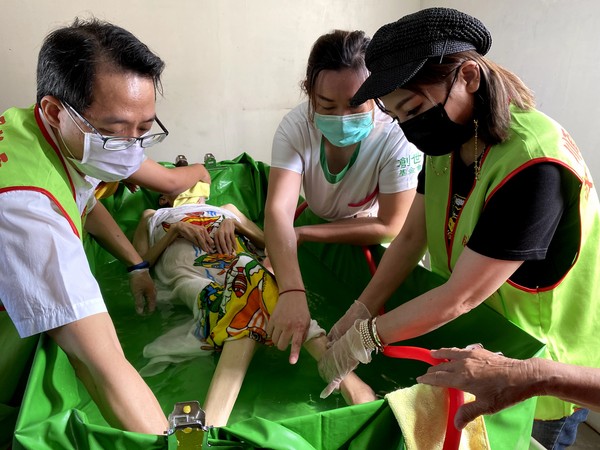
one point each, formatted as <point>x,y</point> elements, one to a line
<point>279,405</point>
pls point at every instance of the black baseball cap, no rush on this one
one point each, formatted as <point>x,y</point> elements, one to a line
<point>399,49</point>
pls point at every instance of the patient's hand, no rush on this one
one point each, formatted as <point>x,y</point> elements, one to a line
<point>224,239</point>
<point>196,235</point>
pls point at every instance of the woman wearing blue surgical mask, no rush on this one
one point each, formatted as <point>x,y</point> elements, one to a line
<point>356,168</point>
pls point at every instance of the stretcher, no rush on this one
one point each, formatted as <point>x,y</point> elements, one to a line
<point>44,406</point>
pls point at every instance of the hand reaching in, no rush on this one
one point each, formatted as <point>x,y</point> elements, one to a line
<point>496,381</point>
<point>343,357</point>
<point>357,311</point>
<point>289,323</point>
<point>143,290</point>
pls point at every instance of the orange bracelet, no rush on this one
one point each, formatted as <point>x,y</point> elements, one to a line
<point>291,290</point>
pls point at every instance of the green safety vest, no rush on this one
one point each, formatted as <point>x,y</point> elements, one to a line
<point>30,160</point>
<point>565,316</point>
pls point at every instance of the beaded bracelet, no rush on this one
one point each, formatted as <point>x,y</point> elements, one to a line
<point>365,335</point>
<point>142,265</point>
<point>291,290</point>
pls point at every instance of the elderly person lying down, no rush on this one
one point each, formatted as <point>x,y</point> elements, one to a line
<point>212,259</point>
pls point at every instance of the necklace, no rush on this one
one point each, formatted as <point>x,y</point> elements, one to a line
<point>444,170</point>
<point>476,153</point>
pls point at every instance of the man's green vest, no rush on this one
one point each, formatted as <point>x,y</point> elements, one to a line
<point>30,160</point>
<point>565,316</point>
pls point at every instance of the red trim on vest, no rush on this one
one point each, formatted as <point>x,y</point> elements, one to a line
<point>450,242</point>
<point>50,196</point>
<point>526,165</point>
<point>537,290</point>
<point>50,141</point>
<point>367,199</point>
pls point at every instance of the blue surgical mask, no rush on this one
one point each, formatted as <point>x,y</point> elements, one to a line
<point>342,131</point>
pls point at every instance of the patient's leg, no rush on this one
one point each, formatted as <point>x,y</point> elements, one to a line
<point>227,380</point>
<point>354,390</point>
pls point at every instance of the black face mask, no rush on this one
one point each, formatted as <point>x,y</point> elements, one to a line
<point>434,133</point>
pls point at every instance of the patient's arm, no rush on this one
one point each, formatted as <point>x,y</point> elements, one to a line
<point>196,235</point>
<point>246,227</point>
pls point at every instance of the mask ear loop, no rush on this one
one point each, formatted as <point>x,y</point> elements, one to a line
<point>71,117</point>
<point>80,129</point>
<point>65,144</point>
<point>440,61</point>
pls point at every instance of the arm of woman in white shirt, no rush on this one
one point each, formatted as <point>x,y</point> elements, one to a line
<point>290,320</point>
<point>393,209</point>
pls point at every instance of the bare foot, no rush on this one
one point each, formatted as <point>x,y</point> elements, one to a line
<point>355,391</point>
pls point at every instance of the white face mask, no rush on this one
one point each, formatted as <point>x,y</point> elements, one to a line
<point>107,165</point>
<point>103,164</point>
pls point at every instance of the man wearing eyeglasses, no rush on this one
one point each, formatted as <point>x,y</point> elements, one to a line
<point>94,116</point>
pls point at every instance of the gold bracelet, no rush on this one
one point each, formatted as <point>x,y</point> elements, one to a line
<point>375,334</point>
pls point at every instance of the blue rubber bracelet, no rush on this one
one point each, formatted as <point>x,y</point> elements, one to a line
<point>142,265</point>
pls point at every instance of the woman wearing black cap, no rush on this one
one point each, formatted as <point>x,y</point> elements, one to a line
<point>505,205</point>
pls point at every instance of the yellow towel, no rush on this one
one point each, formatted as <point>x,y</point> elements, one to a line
<point>106,189</point>
<point>193,194</point>
<point>422,410</point>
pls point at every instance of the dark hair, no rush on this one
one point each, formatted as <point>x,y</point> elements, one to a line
<point>334,51</point>
<point>497,90</point>
<point>70,56</point>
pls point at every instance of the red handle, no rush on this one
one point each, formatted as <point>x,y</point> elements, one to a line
<point>456,397</point>
<point>300,208</point>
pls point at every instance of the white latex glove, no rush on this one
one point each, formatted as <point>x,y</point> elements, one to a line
<point>342,358</point>
<point>143,290</point>
<point>314,330</point>
<point>357,311</point>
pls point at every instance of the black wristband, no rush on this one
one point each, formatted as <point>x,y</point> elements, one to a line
<point>142,265</point>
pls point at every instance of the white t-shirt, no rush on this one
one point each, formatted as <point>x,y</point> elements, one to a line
<point>46,280</point>
<point>384,163</point>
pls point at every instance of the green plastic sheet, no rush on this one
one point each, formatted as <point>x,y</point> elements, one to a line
<point>279,405</point>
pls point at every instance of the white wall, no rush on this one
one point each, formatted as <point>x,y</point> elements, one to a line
<point>233,66</point>
<point>554,46</point>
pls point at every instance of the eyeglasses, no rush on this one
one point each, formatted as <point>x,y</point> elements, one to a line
<point>119,142</point>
